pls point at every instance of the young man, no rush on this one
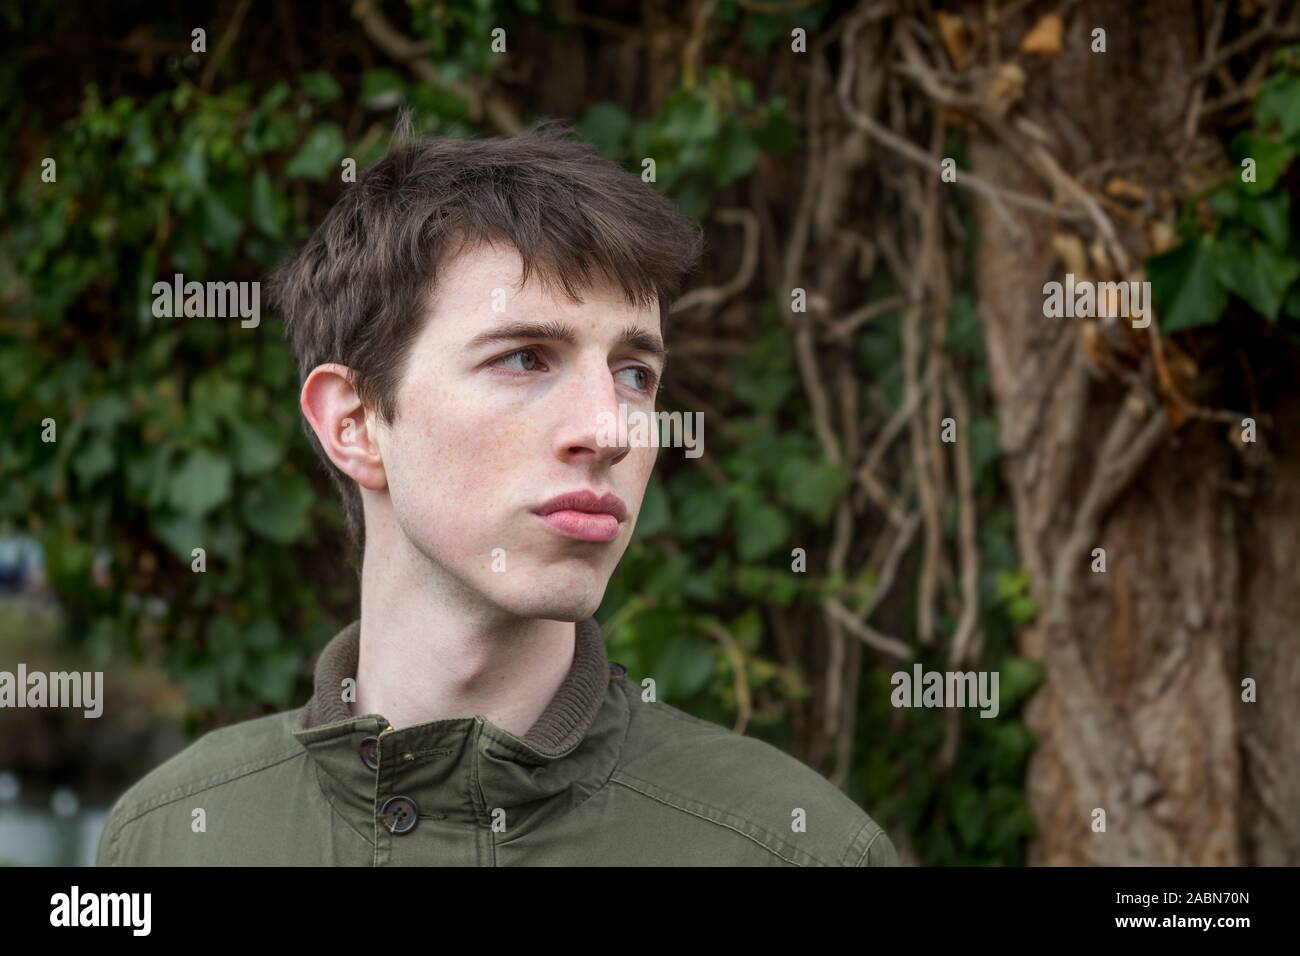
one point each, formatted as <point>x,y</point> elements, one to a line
<point>462,318</point>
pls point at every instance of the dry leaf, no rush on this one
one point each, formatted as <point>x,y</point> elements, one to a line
<point>1093,345</point>
<point>1162,236</point>
<point>1183,369</point>
<point>1070,250</point>
<point>956,39</point>
<point>1175,410</point>
<point>1008,86</point>
<point>1127,189</point>
<point>1175,373</point>
<point>952,117</point>
<point>1099,257</point>
<point>1045,38</point>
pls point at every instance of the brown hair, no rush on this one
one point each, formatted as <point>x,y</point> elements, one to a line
<point>355,292</point>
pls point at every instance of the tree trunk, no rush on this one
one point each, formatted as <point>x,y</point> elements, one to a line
<point>1141,714</point>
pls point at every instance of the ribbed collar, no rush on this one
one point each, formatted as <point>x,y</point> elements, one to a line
<point>559,729</point>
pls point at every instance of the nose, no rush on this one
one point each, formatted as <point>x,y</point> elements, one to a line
<point>588,430</point>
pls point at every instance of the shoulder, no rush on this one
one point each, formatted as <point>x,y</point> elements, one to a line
<point>218,758</point>
<point>747,785</point>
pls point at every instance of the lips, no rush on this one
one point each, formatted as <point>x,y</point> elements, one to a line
<point>584,515</point>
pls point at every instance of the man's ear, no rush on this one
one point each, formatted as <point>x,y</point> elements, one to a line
<point>343,425</point>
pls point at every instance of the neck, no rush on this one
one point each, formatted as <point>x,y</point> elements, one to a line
<point>433,649</point>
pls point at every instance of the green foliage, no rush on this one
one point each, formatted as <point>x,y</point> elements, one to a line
<point>1247,248</point>
<point>718,549</point>
<point>171,435</point>
<point>176,435</point>
<point>705,138</point>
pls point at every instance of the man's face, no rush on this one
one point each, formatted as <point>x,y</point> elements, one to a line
<point>498,414</point>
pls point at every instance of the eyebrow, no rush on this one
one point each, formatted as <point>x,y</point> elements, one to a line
<point>632,336</point>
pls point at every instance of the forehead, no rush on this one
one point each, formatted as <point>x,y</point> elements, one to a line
<point>480,283</point>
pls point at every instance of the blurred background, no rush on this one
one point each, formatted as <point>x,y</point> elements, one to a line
<point>907,461</point>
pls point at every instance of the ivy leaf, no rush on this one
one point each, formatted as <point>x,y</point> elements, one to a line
<point>1013,743</point>
<point>254,448</point>
<point>1257,273</point>
<point>202,686</point>
<point>1017,679</point>
<point>683,669</point>
<point>1184,286</point>
<point>702,512</point>
<point>268,210</point>
<point>319,154</point>
<point>737,154</point>
<point>320,86</point>
<point>814,487</point>
<point>277,508</point>
<point>221,227</point>
<point>273,97</point>
<point>607,126</point>
<point>381,89</point>
<point>273,675</point>
<point>654,515</point>
<point>970,814</point>
<point>1270,156</point>
<point>1279,102</point>
<point>690,118</point>
<point>94,460</point>
<point>760,530</point>
<point>1269,215</point>
<point>140,147</point>
<point>109,411</point>
<point>984,447</point>
<point>200,484</point>
<point>193,166</point>
<point>181,533</point>
<point>965,334</point>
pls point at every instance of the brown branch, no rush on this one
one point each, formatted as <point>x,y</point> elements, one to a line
<point>889,568</point>
<point>846,326</point>
<point>1198,83</point>
<point>744,703</point>
<point>967,533</point>
<point>713,295</point>
<point>1267,30</point>
<point>413,56</point>
<point>997,195</point>
<point>865,632</point>
<point>1124,451</point>
<point>228,37</point>
<point>695,41</point>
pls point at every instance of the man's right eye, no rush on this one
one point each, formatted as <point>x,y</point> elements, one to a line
<point>521,360</point>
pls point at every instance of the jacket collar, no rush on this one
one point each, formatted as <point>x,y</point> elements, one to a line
<point>569,751</point>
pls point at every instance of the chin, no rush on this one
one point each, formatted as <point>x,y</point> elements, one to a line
<point>557,594</point>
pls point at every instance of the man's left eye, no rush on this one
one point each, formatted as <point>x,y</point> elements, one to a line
<point>524,360</point>
<point>643,379</point>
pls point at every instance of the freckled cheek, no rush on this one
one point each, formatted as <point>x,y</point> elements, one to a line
<point>474,451</point>
<point>641,463</point>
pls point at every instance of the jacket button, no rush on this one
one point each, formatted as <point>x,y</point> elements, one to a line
<point>370,752</point>
<point>400,814</point>
<point>616,670</point>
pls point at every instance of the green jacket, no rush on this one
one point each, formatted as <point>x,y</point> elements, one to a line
<point>602,778</point>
